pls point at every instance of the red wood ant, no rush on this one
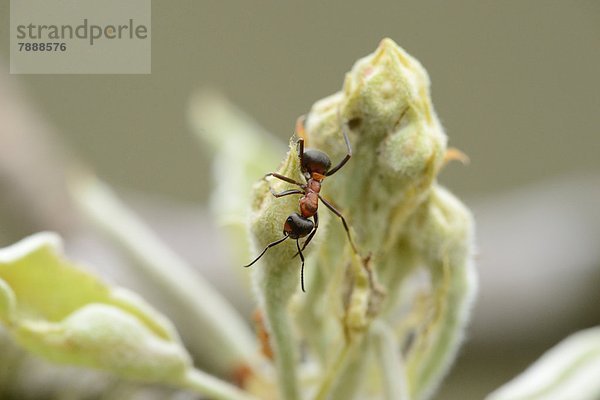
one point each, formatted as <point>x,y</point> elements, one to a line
<point>315,167</point>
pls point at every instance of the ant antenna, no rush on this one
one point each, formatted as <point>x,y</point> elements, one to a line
<point>275,243</point>
<point>301,269</point>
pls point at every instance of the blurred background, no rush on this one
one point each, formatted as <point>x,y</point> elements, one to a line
<point>515,84</point>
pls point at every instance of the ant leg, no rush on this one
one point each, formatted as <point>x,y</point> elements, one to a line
<point>312,234</point>
<point>339,214</point>
<point>301,134</point>
<point>283,178</point>
<point>300,143</point>
<point>302,268</point>
<point>286,192</point>
<point>345,160</point>
<point>275,243</point>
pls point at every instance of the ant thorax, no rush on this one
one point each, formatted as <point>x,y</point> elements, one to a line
<point>314,185</point>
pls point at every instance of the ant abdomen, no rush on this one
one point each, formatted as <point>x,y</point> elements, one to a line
<point>296,226</point>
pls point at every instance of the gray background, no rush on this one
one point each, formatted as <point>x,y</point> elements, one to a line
<point>515,83</point>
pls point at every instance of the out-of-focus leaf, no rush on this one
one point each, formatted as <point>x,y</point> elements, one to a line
<point>226,343</point>
<point>570,370</point>
<point>58,311</point>
<point>243,153</point>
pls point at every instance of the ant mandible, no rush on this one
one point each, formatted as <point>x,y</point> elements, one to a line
<point>315,166</point>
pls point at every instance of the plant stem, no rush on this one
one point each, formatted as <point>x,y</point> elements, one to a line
<point>392,370</point>
<point>285,351</point>
<point>334,371</point>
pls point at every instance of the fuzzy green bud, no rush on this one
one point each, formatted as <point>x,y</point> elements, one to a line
<point>401,221</point>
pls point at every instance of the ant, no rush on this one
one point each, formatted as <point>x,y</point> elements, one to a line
<point>315,166</point>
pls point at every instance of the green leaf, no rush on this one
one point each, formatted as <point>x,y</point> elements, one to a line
<point>58,311</point>
<point>64,314</point>
<point>570,370</point>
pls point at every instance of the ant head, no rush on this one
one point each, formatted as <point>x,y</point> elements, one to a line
<point>296,226</point>
<point>315,161</point>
